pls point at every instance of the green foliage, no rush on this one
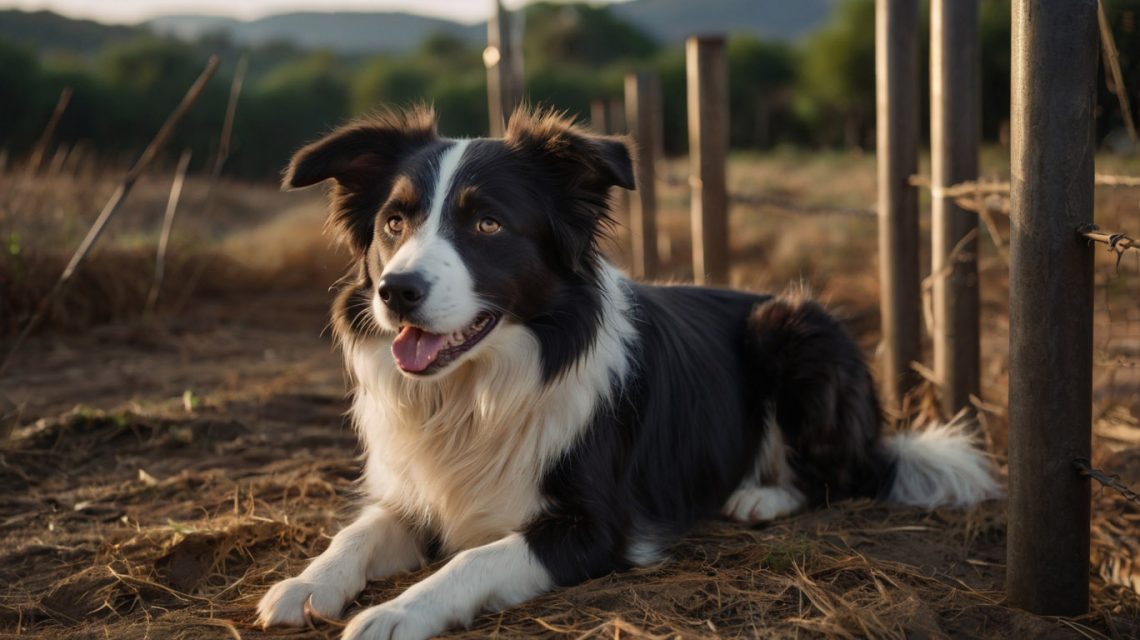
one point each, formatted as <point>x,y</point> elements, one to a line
<point>148,63</point>
<point>835,91</point>
<point>760,78</point>
<point>445,71</point>
<point>389,81</point>
<point>21,109</point>
<point>47,32</point>
<point>819,91</point>
<point>1124,16</point>
<point>290,106</point>
<point>671,68</point>
<point>580,34</point>
<point>994,44</point>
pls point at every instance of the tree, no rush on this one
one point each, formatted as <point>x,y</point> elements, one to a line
<point>580,34</point>
<point>836,82</point>
<point>760,78</point>
<point>20,77</point>
<point>292,105</point>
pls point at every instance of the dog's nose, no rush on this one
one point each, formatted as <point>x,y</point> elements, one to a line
<point>403,292</point>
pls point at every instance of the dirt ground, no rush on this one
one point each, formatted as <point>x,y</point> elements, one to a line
<point>159,476</point>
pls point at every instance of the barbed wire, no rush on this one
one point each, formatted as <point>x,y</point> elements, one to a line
<point>983,197</point>
<point>979,196</point>
<point>1110,480</point>
<point>761,200</point>
<point>1117,243</point>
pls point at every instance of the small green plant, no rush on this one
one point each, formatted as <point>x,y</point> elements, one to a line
<point>190,402</point>
<point>786,553</point>
<point>13,250</point>
<point>180,528</point>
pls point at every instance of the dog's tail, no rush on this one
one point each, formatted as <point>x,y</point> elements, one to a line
<point>939,466</point>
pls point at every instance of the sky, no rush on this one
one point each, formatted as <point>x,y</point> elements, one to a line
<point>133,11</point>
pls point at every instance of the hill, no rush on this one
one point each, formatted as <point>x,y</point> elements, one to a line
<point>668,21</point>
<point>349,32</point>
<point>48,33</point>
<point>673,20</point>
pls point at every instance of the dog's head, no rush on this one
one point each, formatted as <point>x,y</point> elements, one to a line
<point>454,238</point>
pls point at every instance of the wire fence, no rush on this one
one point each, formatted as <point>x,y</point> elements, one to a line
<point>985,198</point>
<point>1110,480</point>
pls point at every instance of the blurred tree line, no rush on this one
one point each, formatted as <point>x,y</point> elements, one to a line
<point>817,92</point>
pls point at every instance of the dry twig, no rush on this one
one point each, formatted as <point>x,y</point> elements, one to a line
<point>117,198</point>
<point>1112,68</point>
<point>167,225</point>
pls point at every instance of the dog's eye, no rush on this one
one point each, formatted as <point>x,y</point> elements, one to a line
<point>395,225</point>
<point>489,226</point>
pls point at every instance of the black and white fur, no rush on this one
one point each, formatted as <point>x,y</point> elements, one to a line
<point>597,419</point>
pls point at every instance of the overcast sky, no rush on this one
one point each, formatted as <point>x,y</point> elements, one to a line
<point>131,11</point>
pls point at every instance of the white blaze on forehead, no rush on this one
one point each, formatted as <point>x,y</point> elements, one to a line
<point>449,164</point>
<point>451,303</point>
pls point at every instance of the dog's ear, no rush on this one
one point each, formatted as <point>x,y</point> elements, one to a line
<point>581,167</point>
<point>362,158</point>
<point>586,160</point>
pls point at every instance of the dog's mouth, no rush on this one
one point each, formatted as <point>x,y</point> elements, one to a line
<point>422,352</point>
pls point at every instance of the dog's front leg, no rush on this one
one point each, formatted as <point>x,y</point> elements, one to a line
<point>374,546</point>
<point>495,576</point>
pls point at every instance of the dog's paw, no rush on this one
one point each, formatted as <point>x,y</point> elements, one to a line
<point>291,602</point>
<point>762,504</point>
<point>394,621</point>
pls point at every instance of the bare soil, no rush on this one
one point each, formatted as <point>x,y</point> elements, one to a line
<point>208,460</point>
<point>158,476</point>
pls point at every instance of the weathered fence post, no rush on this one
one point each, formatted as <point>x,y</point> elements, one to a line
<point>955,117</point>
<point>643,116</point>
<point>896,74</point>
<point>1050,304</point>
<point>707,70</point>
<point>504,85</point>
<point>598,115</point>
<point>617,123</point>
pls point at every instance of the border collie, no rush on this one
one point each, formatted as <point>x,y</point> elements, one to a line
<point>530,413</point>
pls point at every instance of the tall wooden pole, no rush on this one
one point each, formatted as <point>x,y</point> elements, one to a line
<point>1050,304</point>
<point>643,116</point>
<point>896,73</point>
<point>955,127</point>
<point>598,115</point>
<point>616,119</point>
<point>504,82</point>
<point>707,71</point>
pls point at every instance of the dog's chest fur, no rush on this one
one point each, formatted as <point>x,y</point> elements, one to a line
<point>465,456</point>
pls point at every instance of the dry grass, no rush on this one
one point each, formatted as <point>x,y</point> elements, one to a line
<point>164,514</point>
<point>253,238</point>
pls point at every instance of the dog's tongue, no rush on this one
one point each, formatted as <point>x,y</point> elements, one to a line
<point>415,349</point>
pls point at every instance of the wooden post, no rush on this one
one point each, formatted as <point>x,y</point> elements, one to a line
<point>955,127</point>
<point>896,74</point>
<point>616,118</point>
<point>598,115</point>
<point>707,79</point>
<point>643,116</point>
<point>504,86</point>
<point>1050,304</point>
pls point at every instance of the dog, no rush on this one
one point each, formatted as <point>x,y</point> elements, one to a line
<point>540,419</point>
